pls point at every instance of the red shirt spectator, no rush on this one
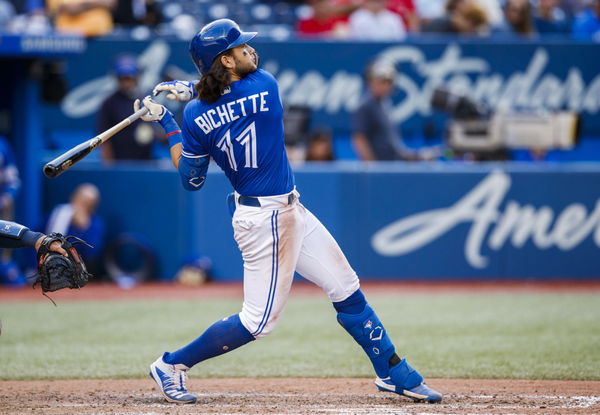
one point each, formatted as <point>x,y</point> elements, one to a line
<point>406,10</point>
<point>314,26</point>
<point>330,17</point>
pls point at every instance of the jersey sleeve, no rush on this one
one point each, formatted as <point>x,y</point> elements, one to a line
<point>191,135</point>
<point>267,76</point>
<point>270,82</point>
<point>14,235</point>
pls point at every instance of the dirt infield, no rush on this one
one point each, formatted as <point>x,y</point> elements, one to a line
<point>288,396</point>
<point>297,396</point>
<point>106,291</point>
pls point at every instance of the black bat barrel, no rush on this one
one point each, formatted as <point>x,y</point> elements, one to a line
<point>66,160</point>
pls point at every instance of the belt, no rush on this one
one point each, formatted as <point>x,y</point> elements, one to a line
<point>255,201</point>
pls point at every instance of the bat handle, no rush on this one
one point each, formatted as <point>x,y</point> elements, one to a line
<point>136,115</point>
<point>124,123</point>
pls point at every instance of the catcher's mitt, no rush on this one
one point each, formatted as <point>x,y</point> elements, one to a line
<point>55,271</point>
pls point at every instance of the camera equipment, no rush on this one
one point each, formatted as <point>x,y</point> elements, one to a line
<point>458,106</point>
<point>475,128</point>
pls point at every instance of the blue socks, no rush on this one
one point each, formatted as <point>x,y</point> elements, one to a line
<point>354,314</point>
<point>355,304</point>
<point>222,337</point>
<point>361,322</point>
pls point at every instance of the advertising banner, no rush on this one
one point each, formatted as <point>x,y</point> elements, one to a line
<point>328,78</point>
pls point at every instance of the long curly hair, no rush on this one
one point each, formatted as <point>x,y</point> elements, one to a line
<point>213,83</point>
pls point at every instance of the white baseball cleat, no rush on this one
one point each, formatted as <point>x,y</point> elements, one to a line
<point>419,393</point>
<point>171,380</point>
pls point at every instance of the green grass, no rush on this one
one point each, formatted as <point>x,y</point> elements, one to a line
<point>480,335</point>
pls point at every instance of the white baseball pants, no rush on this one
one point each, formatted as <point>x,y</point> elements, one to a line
<point>277,239</point>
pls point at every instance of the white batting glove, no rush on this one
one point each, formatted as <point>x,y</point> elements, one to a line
<point>178,90</point>
<point>155,111</point>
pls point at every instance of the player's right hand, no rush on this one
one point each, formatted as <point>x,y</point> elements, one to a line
<point>155,111</point>
<point>178,90</point>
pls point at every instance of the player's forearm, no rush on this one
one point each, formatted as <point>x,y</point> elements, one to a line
<point>176,154</point>
<point>13,235</point>
<point>173,134</point>
<point>30,238</point>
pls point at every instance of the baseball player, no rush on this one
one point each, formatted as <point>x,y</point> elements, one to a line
<point>237,120</point>
<point>14,235</point>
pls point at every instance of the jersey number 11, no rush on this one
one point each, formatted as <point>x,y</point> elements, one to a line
<point>248,139</point>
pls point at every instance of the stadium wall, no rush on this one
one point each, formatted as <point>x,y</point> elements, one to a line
<point>425,221</point>
<point>416,221</point>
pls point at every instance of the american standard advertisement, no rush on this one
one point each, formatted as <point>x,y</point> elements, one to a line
<point>494,221</point>
<point>328,78</point>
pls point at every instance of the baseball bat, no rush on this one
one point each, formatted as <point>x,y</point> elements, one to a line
<point>69,158</point>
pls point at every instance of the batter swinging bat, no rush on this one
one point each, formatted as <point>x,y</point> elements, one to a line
<point>66,160</point>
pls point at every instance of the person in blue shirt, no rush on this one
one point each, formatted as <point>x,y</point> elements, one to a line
<point>79,218</point>
<point>237,120</point>
<point>10,184</point>
<point>586,25</point>
<point>549,18</point>
<point>135,142</point>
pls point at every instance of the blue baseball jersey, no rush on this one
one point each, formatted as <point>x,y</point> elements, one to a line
<point>243,133</point>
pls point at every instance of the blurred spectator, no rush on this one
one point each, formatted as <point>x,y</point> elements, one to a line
<point>572,7</point>
<point>28,6</point>
<point>24,16</point>
<point>407,11</point>
<point>85,17</point>
<point>518,19</point>
<point>328,19</point>
<point>586,25</point>
<point>9,180</point>
<point>9,188</point>
<point>435,9</point>
<point>463,17</point>
<point>428,10</point>
<point>7,13</point>
<point>374,22</point>
<point>492,10</point>
<point>137,12</point>
<point>320,147</point>
<point>134,142</point>
<point>549,18</point>
<point>374,135</point>
<point>78,218</point>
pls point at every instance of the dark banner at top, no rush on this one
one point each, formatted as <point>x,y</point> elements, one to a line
<point>22,46</point>
<point>327,77</point>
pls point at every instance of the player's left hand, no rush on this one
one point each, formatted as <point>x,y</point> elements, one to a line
<point>178,90</point>
<point>54,246</point>
<point>155,111</point>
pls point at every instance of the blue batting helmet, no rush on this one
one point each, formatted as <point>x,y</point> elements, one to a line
<point>214,39</point>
